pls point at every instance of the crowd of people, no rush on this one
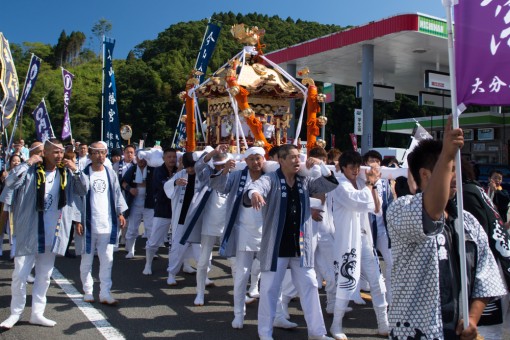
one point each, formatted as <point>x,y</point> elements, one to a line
<point>288,223</point>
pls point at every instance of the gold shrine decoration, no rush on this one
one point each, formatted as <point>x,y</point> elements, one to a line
<point>312,122</point>
<point>241,96</point>
<point>312,129</point>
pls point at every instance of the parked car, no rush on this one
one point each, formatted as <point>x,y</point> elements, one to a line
<point>485,169</point>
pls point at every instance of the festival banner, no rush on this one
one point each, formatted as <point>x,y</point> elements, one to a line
<point>111,126</point>
<point>181,135</point>
<point>30,80</point>
<point>208,44</point>
<point>43,127</point>
<point>482,52</point>
<point>9,82</point>
<point>67,77</point>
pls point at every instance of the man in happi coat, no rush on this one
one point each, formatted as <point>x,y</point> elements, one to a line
<point>102,217</point>
<point>181,189</point>
<point>162,207</point>
<point>426,271</point>
<point>43,207</point>
<point>284,198</point>
<point>206,219</point>
<point>139,194</point>
<point>352,201</point>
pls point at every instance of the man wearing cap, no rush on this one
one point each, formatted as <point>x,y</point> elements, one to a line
<point>43,207</point>
<point>101,218</point>
<point>283,197</point>
<point>138,189</point>
<point>206,219</point>
<point>181,189</point>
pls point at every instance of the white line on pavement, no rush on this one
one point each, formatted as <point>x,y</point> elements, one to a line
<point>95,316</point>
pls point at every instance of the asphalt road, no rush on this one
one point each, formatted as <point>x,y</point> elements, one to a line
<point>150,309</point>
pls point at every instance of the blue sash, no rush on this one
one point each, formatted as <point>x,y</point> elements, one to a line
<point>235,211</point>
<point>197,214</point>
<point>281,216</point>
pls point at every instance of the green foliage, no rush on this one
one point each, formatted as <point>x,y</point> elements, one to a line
<point>150,78</point>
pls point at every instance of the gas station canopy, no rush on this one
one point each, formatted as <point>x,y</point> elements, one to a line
<point>405,46</point>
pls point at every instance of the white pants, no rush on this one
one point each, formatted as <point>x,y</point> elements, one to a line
<point>372,272</point>
<point>177,252</point>
<point>306,284</point>
<point>243,267</point>
<point>136,215</point>
<point>160,227</point>
<point>382,246</point>
<point>324,259</point>
<point>105,254</point>
<point>204,261</point>
<point>44,264</point>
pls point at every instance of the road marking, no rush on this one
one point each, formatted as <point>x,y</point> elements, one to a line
<point>95,316</point>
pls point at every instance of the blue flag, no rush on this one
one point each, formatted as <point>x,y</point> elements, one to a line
<point>111,125</point>
<point>181,135</point>
<point>211,37</point>
<point>43,127</point>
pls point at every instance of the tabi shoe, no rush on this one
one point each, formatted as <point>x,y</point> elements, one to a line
<point>10,321</point>
<point>254,294</point>
<point>108,300</point>
<point>130,255</point>
<point>39,319</point>
<point>336,329</point>
<point>209,282</point>
<point>199,300</point>
<point>171,280</point>
<point>358,299</point>
<point>188,269</point>
<point>238,322</point>
<point>147,270</point>
<point>283,323</point>
<point>30,278</point>
<point>88,298</point>
<point>249,300</point>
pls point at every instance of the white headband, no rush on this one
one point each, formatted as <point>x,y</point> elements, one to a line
<point>255,150</point>
<point>35,147</point>
<point>55,145</point>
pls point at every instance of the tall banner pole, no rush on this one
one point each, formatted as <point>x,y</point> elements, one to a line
<point>102,92</point>
<point>459,222</point>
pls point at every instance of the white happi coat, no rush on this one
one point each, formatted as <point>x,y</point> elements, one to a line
<point>416,305</point>
<point>350,215</point>
<point>176,194</point>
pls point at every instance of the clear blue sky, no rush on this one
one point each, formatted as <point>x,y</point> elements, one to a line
<point>136,21</point>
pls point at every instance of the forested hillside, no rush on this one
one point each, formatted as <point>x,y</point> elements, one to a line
<point>152,75</point>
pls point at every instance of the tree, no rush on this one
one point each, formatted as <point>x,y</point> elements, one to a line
<point>100,29</point>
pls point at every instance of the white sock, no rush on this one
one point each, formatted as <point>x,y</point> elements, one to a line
<point>10,321</point>
<point>41,320</point>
